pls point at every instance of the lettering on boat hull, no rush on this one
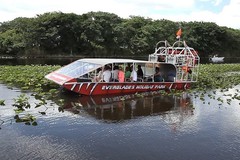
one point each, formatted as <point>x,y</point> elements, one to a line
<point>130,87</point>
<point>121,88</point>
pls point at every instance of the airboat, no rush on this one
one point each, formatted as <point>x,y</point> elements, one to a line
<point>216,59</point>
<point>177,66</point>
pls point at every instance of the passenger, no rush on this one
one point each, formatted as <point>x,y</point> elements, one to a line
<point>106,77</point>
<point>157,76</point>
<point>99,75</point>
<point>115,74</point>
<point>186,72</point>
<point>133,77</point>
<point>121,75</point>
<point>140,72</point>
<point>171,76</point>
<point>161,58</point>
<point>127,72</point>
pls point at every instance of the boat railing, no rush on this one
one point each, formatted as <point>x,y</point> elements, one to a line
<point>185,58</point>
<point>166,44</point>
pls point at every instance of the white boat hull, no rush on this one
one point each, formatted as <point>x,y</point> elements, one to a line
<point>217,59</point>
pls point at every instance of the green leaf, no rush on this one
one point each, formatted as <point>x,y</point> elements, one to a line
<point>34,123</point>
<point>2,102</point>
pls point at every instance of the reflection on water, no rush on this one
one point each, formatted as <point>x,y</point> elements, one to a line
<point>173,109</point>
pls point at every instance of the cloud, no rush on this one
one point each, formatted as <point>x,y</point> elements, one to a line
<point>217,2</point>
<point>214,2</point>
<point>174,10</point>
<point>230,15</point>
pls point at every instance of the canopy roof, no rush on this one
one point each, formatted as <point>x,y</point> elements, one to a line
<point>104,61</point>
<point>83,66</point>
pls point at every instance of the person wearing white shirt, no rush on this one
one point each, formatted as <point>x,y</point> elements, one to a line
<point>106,74</point>
<point>133,76</point>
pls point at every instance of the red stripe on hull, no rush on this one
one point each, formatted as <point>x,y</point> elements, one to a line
<point>86,88</point>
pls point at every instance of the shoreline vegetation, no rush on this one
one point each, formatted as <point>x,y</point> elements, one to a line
<point>102,34</point>
<point>77,56</point>
<point>67,56</point>
<point>59,59</point>
<point>31,78</point>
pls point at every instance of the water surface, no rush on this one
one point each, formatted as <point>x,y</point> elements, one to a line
<point>149,126</point>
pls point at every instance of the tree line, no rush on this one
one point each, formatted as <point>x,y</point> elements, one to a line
<point>102,34</point>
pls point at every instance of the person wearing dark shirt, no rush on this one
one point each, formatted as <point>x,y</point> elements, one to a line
<point>157,75</point>
<point>139,72</point>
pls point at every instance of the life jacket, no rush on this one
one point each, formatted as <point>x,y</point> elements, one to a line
<point>187,69</point>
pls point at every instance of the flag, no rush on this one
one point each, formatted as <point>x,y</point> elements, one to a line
<point>179,33</point>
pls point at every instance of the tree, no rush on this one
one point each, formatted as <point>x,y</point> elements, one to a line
<point>106,34</point>
<point>15,36</point>
<point>99,32</point>
<point>133,34</point>
<point>204,36</point>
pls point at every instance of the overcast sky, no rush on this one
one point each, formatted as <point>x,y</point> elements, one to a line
<point>222,12</point>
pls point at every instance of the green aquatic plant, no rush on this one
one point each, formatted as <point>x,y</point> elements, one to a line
<point>236,96</point>
<point>139,95</point>
<point>26,77</point>
<point>212,77</point>
<point>22,103</point>
<point>28,119</point>
<point>218,76</point>
<point>2,102</point>
<point>30,77</point>
<point>122,98</point>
